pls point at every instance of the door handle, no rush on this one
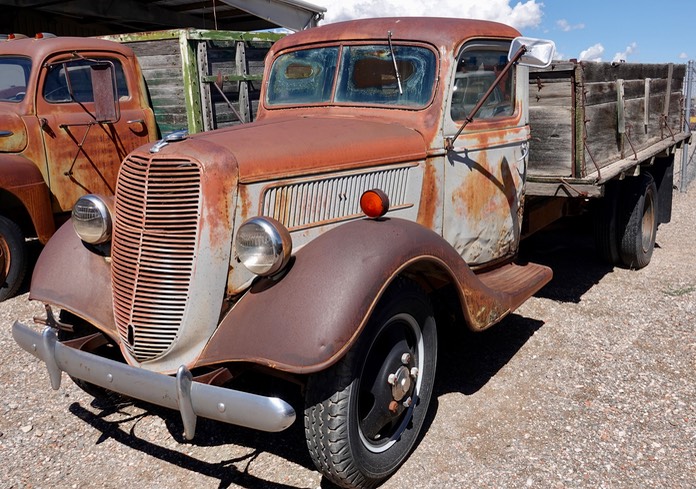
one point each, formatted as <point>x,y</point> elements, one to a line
<point>525,151</point>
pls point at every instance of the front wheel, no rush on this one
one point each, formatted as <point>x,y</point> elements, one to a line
<point>13,258</point>
<point>363,415</point>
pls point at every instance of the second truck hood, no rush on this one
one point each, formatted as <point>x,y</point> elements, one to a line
<point>305,145</point>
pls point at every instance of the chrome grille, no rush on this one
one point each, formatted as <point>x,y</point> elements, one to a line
<point>155,234</point>
<point>316,202</point>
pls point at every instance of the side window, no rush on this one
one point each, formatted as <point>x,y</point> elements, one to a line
<point>72,81</point>
<point>477,69</point>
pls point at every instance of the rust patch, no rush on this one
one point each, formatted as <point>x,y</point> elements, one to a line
<point>430,196</point>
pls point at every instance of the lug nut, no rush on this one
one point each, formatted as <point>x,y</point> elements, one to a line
<point>405,358</point>
<point>391,380</point>
<point>393,406</point>
<point>414,372</point>
<point>407,402</point>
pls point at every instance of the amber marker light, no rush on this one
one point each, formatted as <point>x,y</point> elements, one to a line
<point>374,203</point>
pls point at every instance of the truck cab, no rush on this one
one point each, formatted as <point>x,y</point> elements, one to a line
<point>54,145</point>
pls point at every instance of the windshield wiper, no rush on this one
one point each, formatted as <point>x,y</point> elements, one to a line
<point>396,66</point>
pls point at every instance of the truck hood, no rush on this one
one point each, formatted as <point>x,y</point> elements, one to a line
<point>309,145</point>
<point>13,133</point>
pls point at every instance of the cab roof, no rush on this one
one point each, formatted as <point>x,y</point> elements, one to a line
<point>40,48</point>
<point>444,32</point>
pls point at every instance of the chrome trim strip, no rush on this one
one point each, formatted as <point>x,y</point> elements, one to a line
<point>196,399</point>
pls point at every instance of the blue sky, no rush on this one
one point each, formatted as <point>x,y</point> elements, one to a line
<point>637,31</point>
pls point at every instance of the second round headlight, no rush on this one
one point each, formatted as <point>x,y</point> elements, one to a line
<point>263,245</point>
<point>91,219</point>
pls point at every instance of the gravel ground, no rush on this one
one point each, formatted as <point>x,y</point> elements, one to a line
<point>592,383</point>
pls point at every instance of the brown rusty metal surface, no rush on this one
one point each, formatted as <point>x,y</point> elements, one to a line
<point>434,30</point>
<point>23,179</point>
<point>14,135</point>
<point>300,146</point>
<point>71,277</point>
<point>307,320</point>
<point>83,157</point>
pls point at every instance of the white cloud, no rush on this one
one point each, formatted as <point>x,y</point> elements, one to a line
<point>566,27</point>
<point>623,56</point>
<point>683,56</point>
<point>524,14</point>
<point>593,53</point>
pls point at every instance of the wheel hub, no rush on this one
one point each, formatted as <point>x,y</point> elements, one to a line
<point>400,382</point>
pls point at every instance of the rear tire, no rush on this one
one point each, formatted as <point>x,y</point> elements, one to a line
<point>13,258</point>
<point>639,213</point>
<point>606,230</point>
<point>359,423</point>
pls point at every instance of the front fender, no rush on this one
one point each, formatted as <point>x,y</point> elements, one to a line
<point>20,177</point>
<point>309,318</point>
<point>71,277</point>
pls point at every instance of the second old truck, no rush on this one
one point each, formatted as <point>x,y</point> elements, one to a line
<point>72,108</point>
<point>394,167</point>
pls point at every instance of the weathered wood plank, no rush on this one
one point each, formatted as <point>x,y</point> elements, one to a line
<point>551,147</point>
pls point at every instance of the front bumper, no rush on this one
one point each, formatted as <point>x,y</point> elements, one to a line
<point>191,398</point>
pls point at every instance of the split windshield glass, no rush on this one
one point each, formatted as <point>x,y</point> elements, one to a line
<point>353,75</point>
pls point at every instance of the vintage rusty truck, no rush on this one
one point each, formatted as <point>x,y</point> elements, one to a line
<point>58,143</point>
<point>392,171</point>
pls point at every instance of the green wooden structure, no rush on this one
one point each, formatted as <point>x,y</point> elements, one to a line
<point>199,80</point>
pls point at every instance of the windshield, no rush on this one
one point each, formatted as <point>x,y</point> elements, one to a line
<point>14,75</point>
<point>353,75</point>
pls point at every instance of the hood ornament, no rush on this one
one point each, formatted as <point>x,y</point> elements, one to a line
<point>169,138</point>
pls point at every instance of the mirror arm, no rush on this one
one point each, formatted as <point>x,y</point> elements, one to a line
<point>470,117</point>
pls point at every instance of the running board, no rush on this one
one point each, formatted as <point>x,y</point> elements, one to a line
<point>514,283</point>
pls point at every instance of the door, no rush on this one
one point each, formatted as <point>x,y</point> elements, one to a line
<point>485,171</point>
<point>84,157</point>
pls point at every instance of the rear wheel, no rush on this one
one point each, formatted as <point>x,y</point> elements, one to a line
<point>606,225</point>
<point>364,415</point>
<point>13,258</point>
<point>639,213</point>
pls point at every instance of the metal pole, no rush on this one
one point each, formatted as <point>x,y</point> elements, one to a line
<point>685,147</point>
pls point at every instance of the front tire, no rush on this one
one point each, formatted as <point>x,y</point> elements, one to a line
<point>363,415</point>
<point>13,258</point>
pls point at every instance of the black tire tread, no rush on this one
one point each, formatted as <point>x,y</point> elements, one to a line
<point>18,258</point>
<point>630,243</point>
<point>606,226</point>
<point>327,399</point>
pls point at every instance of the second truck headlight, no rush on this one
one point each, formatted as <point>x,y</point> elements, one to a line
<point>92,219</point>
<point>263,245</point>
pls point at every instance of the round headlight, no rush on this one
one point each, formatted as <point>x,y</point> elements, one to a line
<point>91,219</point>
<point>263,245</point>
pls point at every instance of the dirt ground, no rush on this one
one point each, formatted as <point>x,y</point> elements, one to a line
<point>592,383</point>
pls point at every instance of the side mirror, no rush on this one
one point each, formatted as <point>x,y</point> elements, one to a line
<point>539,52</point>
<point>106,108</point>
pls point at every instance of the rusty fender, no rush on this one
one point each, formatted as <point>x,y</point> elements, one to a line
<point>71,277</point>
<point>22,178</point>
<point>306,320</point>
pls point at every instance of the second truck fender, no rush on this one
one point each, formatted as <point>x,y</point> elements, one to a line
<point>307,319</point>
<point>74,278</point>
<point>22,178</point>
